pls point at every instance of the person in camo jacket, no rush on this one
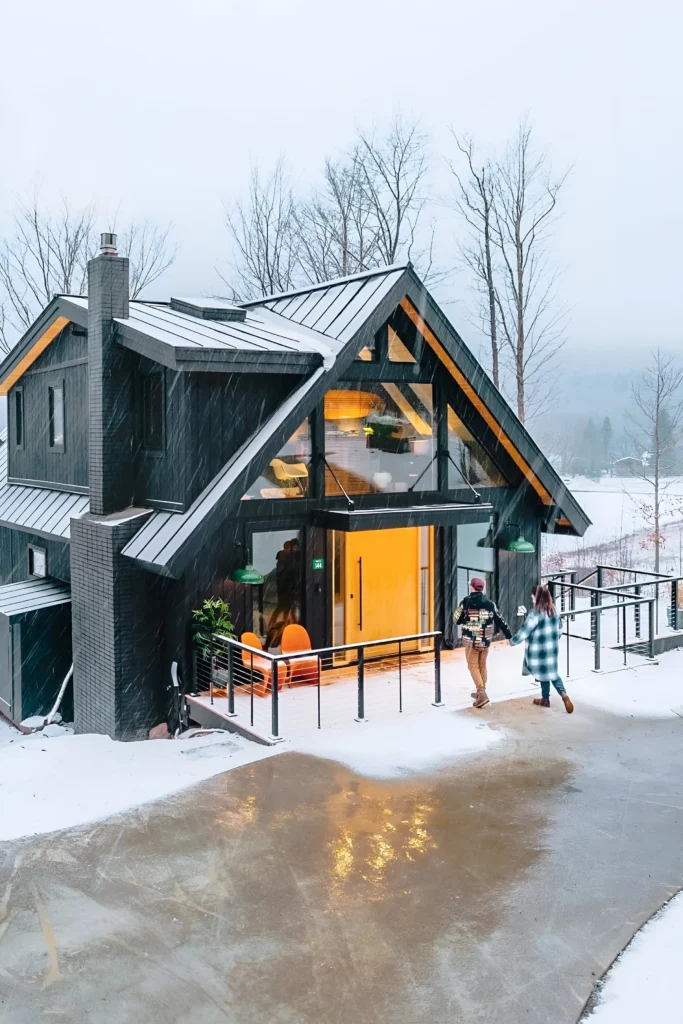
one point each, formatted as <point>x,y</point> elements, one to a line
<point>480,619</point>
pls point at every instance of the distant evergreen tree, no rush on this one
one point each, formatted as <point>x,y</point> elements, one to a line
<point>591,449</point>
<point>606,439</point>
<point>669,446</point>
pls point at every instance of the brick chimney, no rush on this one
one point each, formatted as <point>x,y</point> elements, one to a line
<point>110,441</point>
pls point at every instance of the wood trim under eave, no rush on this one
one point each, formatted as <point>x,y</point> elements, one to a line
<point>38,347</point>
<point>487,416</point>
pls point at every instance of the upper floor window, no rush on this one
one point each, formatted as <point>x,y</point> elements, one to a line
<point>468,462</point>
<point>55,402</point>
<point>19,418</point>
<point>286,476</point>
<point>379,438</point>
<point>151,412</point>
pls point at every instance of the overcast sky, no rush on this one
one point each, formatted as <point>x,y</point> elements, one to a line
<point>160,108</point>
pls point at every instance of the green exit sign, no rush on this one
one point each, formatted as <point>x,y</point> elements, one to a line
<point>318,563</point>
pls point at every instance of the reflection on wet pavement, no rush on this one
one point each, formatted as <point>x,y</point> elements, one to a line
<point>293,890</point>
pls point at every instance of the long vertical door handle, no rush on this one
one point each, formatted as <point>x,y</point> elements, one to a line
<point>360,593</point>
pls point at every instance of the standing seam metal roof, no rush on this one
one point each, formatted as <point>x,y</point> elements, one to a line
<point>335,310</point>
<point>39,510</point>
<point>32,595</point>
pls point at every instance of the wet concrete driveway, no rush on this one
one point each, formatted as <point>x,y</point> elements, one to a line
<point>294,891</point>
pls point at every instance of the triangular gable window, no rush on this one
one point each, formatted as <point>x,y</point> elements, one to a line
<point>398,351</point>
<point>468,460</point>
<point>287,475</point>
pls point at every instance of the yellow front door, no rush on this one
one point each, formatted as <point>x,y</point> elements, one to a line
<point>382,584</point>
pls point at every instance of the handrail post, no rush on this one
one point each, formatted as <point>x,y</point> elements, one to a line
<point>636,610</point>
<point>361,685</point>
<point>211,661</point>
<point>674,604</point>
<point>572,594</point>
<point>319,666</point>
<point>599,568</point>
<point>251,684</point>
<point>651,618</point>
<point>400,677</point>
<point>624,630</point>
<point>598,624</point>
<point>437,702</point>
<point>274,700</point>
<point>231,683</point>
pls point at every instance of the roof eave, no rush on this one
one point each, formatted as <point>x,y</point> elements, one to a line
<point>59,307</point>
<point>203,360</point>
<point>499,407</point>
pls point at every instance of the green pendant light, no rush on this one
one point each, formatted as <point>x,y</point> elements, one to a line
<point>521,546</point>
<point>248,575</point>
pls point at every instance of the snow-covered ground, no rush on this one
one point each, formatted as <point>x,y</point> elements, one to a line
<point>55,782</point>
<point>644,983</point>
<point>51,782</point>
<point>386,749</point>
<point>613,505</point>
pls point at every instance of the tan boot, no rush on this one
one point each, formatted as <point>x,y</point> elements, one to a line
<point>542,702</point>
<point>567,702</point>
<point>481,699</point>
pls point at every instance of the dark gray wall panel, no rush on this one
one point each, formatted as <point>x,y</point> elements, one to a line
<point>35,461</point>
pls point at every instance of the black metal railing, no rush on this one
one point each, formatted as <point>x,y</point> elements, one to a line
<point>242,678</point>
<point>627,585</point>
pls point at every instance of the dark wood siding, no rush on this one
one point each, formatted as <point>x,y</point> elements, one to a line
<point>224,412</point>
<point>64,362</point>
<point>160,476</point>
<point>14,545</point>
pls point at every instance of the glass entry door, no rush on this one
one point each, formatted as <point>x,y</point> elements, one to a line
<point>277,555</point>
<point>382,584</point>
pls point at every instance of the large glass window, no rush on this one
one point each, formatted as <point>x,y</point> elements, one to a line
<point>287,475</point>
<point>379,438</point>
<point>277,555</point>
<point>468,460</point>
<point>397,351</point>
<point>55,401</point>
<point>475,556</point>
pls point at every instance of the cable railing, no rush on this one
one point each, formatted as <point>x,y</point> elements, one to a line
<point>624,583</point>
<point>246,683</point>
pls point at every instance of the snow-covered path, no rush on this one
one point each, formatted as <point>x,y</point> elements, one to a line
<point>644,983</point>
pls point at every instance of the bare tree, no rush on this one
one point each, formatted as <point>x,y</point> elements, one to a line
<point>150,253</point>
<point>525,198</point>
<point>47,255</point>
<point>657,433</point>
<point>264,233</point>
<point>336,228</point>
<point>5,344</point>
<point>393,172</point>
<point>475,204</point>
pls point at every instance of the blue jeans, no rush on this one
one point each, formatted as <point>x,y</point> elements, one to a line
<point>545,687</point>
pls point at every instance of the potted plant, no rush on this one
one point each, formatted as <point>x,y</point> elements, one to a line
<point>213,617</point>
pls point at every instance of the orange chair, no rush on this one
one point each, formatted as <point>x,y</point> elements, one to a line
<point>302,671</point>
<point>263,667</point>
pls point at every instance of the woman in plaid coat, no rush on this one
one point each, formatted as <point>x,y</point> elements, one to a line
<point>542,630</point>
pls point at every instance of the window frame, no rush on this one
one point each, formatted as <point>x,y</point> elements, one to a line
<point>18,402</point>
<point>34,549</point>
<point>56,385</point>
<point>143,378</point>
